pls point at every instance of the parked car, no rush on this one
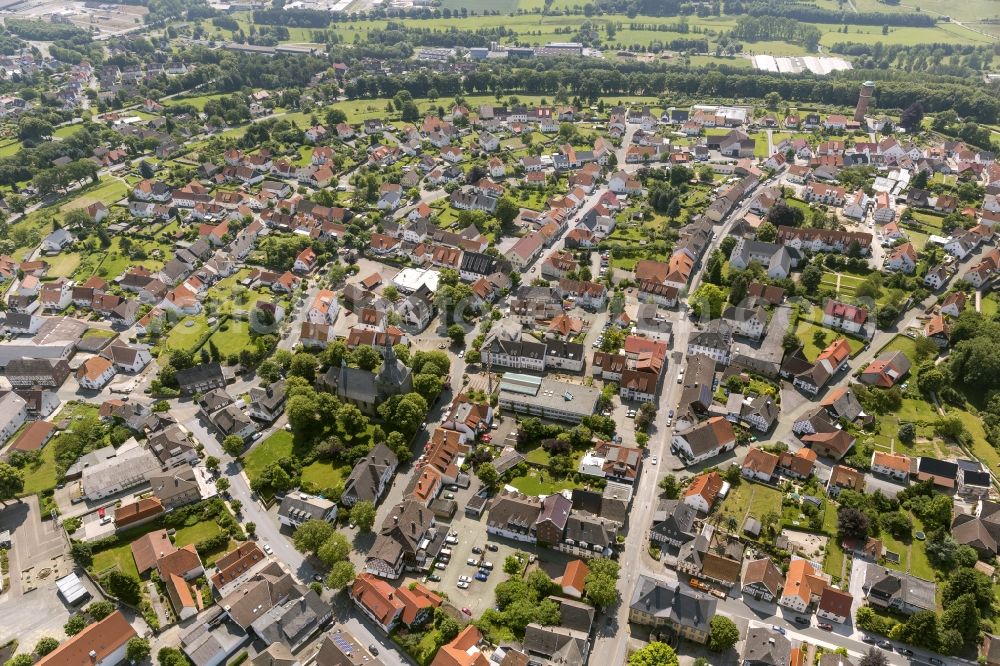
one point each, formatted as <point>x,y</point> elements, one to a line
<point>467,611</point>
<point>905,651</point>
<point>653,460</point>
<point>776,628</point>
<point>485,572</point>
<point>477,550</point>
<point>450,540</point>
<point>487,565</point>
<point>268,549</point>
<point>472,562</point>
<point>464,579</point>
<point>480,577</point>
<point>492,547</point>
<point>450,496</point>
<point>885,645</point>
<point>462,585</point>
<point>801,620</point>
<point>373,649</point>
<point>935,661</point>
<point>434,578</point>
<point>825,626</point>
<point>440,565</point>
<point>868,639</point>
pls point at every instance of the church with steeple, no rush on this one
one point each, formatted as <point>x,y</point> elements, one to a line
<point>367,390</point>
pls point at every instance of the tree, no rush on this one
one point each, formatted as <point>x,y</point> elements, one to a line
<point>487,473</point>
<point>969,581</point>
<point>123,586</point>
<point>811,278</point>
<point>82,553</point>
<point>874,657</point>
<point>366,357</point>
<point>236,505</point>
<point>45,645</point>
<point>212,463</point>
<point>506,211</point>
<point>671,488</point>
<point>311,534</point>
<point>363,515</point>
<point>233,445</point>
<point>962,615</point>
<point>767,233</point>
<point>335,549</point>
<point>304,365</point>
<point>707,301</point>
<point>20,660</point>
<point>911,118</point>
<point>75,624</point>
<point>250,528</point>
<point>351,421</point>
<point>341,575</point>
<point>921,630</point>
<point>654,654</point>
<point>11,482</point>
<point>907,433</point>
<point>852,522</point>
<point>457,334</point>
<point>511,565</point>
<point>723,634</point>
<point>170,656</point>
<point>100,610</point>
<point>600,584</point>
<point>137,649</point>
<point>222,484</point>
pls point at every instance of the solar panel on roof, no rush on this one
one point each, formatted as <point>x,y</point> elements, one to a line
<point>344,646</point>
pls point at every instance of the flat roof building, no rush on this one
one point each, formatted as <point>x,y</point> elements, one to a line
<point>547,398</point>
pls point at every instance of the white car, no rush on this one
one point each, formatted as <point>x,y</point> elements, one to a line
<point>653,460</point>
<point>451,541</point>
<point>465,579</point>
<point>440,565</point>
<point>268,549</point>
<point>462,585</point>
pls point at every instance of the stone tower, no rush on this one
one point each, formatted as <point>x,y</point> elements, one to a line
<point>864,99</point>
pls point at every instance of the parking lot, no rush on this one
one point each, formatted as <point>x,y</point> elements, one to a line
<point>472,533</point>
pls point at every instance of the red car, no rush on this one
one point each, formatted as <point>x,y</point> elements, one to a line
<point>487,437</point>
<point>467,611</point>
<point>100,512</point>
<point>825,627</point>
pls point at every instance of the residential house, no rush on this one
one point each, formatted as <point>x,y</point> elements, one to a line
<point>669,605</point>
<point>804,584</point>
<point>704,440</point>
<point>298,507</point>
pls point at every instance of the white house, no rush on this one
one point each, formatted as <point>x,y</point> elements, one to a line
<point>705,440</point>
<point>324,308</point>
<point>95,372</point>
<point>13,412</point>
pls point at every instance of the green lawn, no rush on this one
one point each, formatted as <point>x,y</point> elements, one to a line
<point>278,445</point>
<point>119,557</point>
<point>206,529</point>
<point>63,264</point>
<point>538,482</point>
<point>43,477</point>
<point>920,566</point>
<point>98,333</point>
<point>109,191</point>
<point>234,339</point>
<point>747,497</point>
<point>833,563</point>
<point>184,336</point>
<point>537,456</point>
<point>805,331</point>
<point>325,475</point>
